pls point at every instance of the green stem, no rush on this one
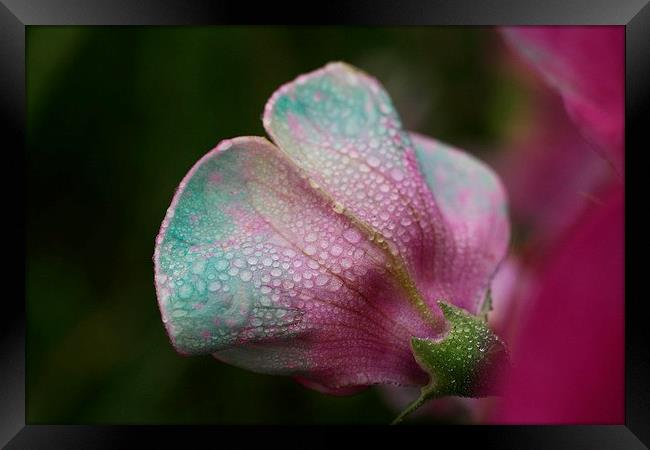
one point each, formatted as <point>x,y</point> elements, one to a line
<point>411,408</point>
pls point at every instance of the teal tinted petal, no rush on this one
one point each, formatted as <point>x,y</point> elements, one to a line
<point>339,126</point>
<point>209,247</point>
<point>256,267</point>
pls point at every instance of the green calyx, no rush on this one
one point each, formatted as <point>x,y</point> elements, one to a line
<point>466,362</point>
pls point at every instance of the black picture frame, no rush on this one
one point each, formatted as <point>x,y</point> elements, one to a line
<point>15,15</point>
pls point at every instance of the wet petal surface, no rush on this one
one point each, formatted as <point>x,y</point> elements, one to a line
<point>339,126</point>
<point>323,256</point>
<point>472,201</point>
<point>253,265</point>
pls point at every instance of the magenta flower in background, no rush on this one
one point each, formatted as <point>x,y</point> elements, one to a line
<point>568,348</point>
<point>585,65</point>
<point>569,357</point>
<point>551,172</point>
<point>324,254</point>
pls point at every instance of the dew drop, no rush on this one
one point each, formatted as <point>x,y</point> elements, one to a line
<point>397,174</point>
<point>335,285</point>
<point>221,265</point>
<point>321,280</point>
<point>246,275</point>
<point>352,235</point>
<point>198,267</point>
<point>185,291</point>
<point>374,162</point>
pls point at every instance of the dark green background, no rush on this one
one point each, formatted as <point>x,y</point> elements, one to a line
<point>116,116</point>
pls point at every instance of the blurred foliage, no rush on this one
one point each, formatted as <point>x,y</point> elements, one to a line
<point>116,116</point>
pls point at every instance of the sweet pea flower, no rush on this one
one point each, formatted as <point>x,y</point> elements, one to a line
<point>325,253</point>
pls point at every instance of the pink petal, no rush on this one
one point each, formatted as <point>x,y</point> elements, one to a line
<point>508,286</point>
<point>586,65</point>
<point>473,203</point>
<point>340,128</point>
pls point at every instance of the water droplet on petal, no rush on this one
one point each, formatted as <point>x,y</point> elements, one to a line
<point>336,250</point>
<point>246,275</point>
<point>221,265</point>
<point>185,291</point>
<point>374,162</point>
<point>214,286</point>
<point>397,174</point>
<point>321,279</point>
<point>352,235</point>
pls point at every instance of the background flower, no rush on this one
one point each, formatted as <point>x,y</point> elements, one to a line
<point>585,65</point>
<point>559,297</point>
<point>568,356</point>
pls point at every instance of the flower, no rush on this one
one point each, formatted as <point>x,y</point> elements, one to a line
<point>585,66</point>
<point>323,254</point>
<point>573,371</point>
<point>551,172</point>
